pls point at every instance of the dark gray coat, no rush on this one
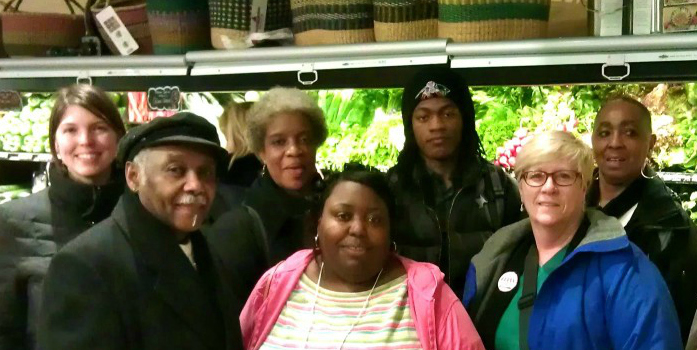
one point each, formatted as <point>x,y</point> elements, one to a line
<point>32,229</point>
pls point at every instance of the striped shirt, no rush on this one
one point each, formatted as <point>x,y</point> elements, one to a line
<point>386,324</point>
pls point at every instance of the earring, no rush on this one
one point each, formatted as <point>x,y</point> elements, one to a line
<point>317,242</point>
<point>646,166</point>
<point>394,246</point>
<point>522,208</point>
<point>263,170</point>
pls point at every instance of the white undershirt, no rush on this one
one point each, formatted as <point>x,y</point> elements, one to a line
<point>624,219</point>
<point>188,251</point>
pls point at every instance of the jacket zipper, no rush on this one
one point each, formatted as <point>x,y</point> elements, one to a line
<point>447,229</point>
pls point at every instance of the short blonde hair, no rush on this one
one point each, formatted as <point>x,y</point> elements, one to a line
<point>233,123</point>
<point>284,100</point>
<point>553,146</point>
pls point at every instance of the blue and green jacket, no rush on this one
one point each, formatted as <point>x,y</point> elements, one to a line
<point>606,294</point>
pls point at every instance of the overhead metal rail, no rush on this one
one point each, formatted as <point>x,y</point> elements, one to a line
<point>310,59</point>
<point>607,51</point>
<point>94,66</point>
<point>389,59</point>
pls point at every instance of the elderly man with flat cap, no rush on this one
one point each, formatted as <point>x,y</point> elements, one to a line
<point>145,278</point>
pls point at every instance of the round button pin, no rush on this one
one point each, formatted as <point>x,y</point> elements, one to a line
<point>508,281</point>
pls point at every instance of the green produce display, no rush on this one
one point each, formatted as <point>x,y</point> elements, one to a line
<point>365,126</point>
<point>27,130</point>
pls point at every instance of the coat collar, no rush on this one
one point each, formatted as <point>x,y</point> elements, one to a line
<point>605,234</point>
<point>275,205</point>
<point>657,203</point>
<point>174,278</point>
<point>92,203</point>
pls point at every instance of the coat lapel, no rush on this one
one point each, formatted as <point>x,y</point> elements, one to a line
<point>176,281</point>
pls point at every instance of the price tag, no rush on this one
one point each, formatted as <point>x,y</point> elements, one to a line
<point>164,98</point>
<point>258,18</point>
<point>117,32</point>
<point>10,101</point>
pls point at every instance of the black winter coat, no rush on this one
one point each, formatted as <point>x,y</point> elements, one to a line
<point>418,232</point>
<point>269,226</point>
<point>664,232</point>
<point>125,284</point>
<point>32,230</point>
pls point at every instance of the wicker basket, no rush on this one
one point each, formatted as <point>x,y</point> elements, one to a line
<point>230,20</point>
<point>399,20</point>
<point>178,26</point>
<point>490,20</point>
<point>135,17</point>
<point>320,22</point>
<point>33,34</point>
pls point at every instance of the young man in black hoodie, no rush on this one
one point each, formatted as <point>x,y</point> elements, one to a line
<point>450,199</point>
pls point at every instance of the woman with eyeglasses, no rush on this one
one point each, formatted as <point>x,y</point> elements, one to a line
<point>567,277</point>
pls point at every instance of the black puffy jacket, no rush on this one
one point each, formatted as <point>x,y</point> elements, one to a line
<point>664,232</point>
<point>32,230</point>
<point>480,207</point>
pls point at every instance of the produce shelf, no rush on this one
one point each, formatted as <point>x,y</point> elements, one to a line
<point>666,57</point>
<point>25,157</point>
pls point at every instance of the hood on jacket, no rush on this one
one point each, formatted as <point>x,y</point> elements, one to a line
<point>605,234</point>
<point>438,82</point>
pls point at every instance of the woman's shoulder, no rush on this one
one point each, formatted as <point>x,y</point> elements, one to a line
<point>423,276</point>
<point>33,208</point>
<point>657,194</point>
<point>621,266</point>
<point>659,204</point>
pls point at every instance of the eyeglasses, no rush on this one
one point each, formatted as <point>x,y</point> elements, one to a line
<point>560,178</point>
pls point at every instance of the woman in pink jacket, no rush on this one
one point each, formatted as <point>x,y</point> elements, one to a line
<point>352,291</point>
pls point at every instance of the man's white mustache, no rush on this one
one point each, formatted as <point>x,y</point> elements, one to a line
<point>192,199</point>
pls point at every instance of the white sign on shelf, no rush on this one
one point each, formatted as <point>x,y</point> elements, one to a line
<point>117,31</point>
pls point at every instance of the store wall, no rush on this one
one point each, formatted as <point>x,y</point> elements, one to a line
<point>54,6</point>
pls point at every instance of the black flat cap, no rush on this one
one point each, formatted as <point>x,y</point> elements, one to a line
<point>181,128</point>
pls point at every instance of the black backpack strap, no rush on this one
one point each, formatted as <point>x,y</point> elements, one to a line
<point>260,232</point>
<point>528,295</point>
<point>496,209</point>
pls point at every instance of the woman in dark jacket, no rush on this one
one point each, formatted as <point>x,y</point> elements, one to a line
<point>651,214</point>
<point>84,129</point>
<point>285,129</point>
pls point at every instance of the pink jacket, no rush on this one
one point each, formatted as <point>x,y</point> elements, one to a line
<point>441,321</point>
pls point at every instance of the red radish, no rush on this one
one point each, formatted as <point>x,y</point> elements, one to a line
<point>511,161</point>
<point>508,153</point>
<point>517,149</point>
<point>503,161</point>
<point>496,162</point>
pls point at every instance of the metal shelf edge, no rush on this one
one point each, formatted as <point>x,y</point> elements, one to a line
<point>26,157</point>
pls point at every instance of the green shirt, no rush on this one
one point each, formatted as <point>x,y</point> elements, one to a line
<point>507,332</point>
